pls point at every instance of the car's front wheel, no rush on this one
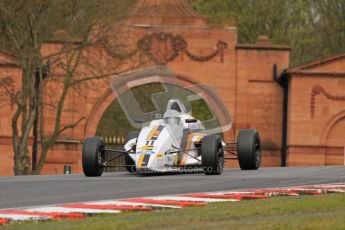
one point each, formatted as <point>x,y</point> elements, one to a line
<point>212,155</point>
<point>93,156</point>
<point>249,149</point>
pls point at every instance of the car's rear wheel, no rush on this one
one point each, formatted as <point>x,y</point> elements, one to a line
<point>249,149</point>
<point>130,164</point>
<point>93,156</point>
<point>212,155</point>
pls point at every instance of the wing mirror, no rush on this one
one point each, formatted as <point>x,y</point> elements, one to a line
<point>188,121</point>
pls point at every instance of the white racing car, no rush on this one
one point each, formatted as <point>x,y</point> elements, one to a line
<point>176,143</point>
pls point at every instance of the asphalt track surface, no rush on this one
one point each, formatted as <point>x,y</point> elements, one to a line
<point>26,191</point>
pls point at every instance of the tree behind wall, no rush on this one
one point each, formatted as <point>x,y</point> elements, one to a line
<point>314,29</point>
<point>25,25</point>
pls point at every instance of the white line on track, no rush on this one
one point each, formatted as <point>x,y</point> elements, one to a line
<point>115,202</point>
<point>49,209</point>
<point>22,217</point>
<point>181,198</point>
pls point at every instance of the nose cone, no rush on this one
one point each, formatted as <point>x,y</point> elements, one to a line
<point>152,141</point>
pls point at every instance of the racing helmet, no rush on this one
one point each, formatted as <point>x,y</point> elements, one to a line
<point>172,117</point>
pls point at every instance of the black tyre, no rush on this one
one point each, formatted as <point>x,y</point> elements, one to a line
<point>249,149</point>
<point>212,155</point>
<point>92,157</point>
<point>130,164</point>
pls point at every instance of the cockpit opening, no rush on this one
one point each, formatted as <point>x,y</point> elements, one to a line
<point>175,106</point>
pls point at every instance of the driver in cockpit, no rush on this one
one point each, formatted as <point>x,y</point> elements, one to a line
<point>171,118</point>
<point>173,112</point>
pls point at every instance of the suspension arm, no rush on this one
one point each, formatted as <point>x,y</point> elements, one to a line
<point>121,153</point>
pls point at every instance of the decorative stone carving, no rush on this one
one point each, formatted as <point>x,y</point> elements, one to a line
<point>165,47</point>
<point>317,90</point>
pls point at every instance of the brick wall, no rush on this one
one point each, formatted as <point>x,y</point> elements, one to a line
<point>259,98</point>
<point>316,118</point>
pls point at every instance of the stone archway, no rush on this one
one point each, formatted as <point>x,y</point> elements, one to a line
<point>158,74</point>
<point>334,140</point>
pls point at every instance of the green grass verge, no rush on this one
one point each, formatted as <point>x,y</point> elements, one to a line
<point>305,212</point>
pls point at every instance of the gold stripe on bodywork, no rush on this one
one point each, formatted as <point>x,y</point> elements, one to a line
<point>189,144</point>
<point>176,160</point>
<point>149,137</point>
<point>140,160</point>
<point>146,147</point>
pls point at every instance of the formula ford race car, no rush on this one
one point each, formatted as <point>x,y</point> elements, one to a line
<point>175,143</point>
